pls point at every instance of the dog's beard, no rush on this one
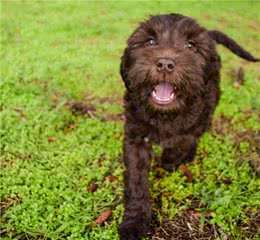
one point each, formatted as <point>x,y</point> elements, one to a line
<point>175,92</point>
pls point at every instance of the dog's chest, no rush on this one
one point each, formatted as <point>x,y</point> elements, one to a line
<point>163,132</point>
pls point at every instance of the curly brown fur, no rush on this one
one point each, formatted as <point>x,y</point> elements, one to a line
<point>171,72</point>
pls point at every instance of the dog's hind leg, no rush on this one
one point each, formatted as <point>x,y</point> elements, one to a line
<point>183,152</point>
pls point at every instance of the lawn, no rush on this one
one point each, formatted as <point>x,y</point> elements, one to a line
<point>62,125</point>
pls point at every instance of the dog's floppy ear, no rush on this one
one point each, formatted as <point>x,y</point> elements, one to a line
<point>123,71</point>
<point>229,43</point>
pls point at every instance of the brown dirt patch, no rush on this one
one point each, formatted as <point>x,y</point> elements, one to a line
<point>93,108</point>
<point>250,229</point>
<point>186,226</point>
<point>8,202</point>
<point>82,108</point>
<point>4,204</point>
<point>195,225</point>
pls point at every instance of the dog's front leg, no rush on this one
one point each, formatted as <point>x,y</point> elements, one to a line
<point>137,216</point>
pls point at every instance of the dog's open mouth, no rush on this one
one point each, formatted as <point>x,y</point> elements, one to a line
<point>163,93</point>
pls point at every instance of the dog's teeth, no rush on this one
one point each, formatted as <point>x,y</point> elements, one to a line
<point>162,99</point>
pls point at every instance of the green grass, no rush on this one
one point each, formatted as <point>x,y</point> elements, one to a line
<point>53,52</point>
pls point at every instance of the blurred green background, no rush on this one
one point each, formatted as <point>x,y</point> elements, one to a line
<point>61,122</point>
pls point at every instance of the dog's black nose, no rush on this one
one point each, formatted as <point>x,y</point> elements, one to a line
<point>165,64</point>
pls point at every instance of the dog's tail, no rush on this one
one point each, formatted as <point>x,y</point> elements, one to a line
<point>229,43</point>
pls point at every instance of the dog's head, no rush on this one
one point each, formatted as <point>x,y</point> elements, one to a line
<point>168,61</point>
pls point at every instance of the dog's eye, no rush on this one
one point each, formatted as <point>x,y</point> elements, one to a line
<point>151,42</point>
<point>190,44</point>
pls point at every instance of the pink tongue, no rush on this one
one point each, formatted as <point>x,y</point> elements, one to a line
<point>163,90</point>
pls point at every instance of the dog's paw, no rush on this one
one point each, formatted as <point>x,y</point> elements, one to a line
<point>170,167</point>
<point>132,230</point>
